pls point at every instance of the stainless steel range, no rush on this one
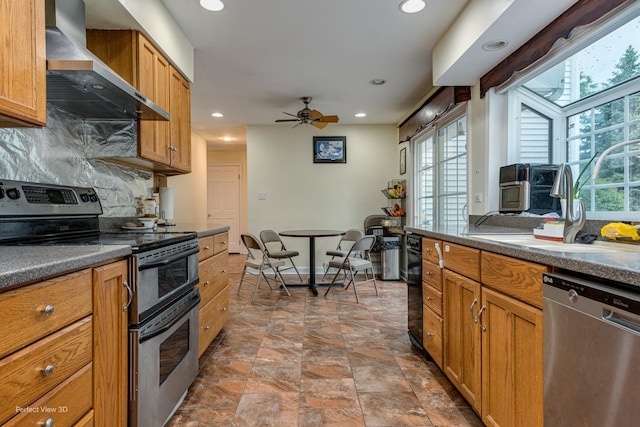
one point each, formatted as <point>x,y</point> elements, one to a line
<point>163,272</point>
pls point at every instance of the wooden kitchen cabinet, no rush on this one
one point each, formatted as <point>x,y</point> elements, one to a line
<point>462,339</point>
<point>110,350</point>
<point>167,145</point>
<point>180,124</point>
<point>512,391</point>
<point>432,300</point>
<point>23,94</point>
<point>214,287</point>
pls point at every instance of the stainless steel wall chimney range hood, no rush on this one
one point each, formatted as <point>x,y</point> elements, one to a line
<point>80,83</point>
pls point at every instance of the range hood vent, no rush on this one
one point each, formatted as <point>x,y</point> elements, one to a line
<point>80,83</point>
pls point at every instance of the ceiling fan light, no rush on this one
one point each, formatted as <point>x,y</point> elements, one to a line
<point>412,6</point>
<point>212,5</point>
<point>361,114</point>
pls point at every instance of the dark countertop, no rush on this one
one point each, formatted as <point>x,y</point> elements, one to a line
<point>623,266</point>
<point>26,264</point>
<point>202,230</point>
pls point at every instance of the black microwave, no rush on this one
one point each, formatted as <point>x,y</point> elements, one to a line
<point>525,187</point>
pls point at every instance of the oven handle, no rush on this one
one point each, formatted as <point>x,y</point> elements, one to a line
<point>173,321</point>
<point>168,260</point>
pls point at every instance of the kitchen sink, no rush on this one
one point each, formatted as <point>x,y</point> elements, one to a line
<point>528,240</point>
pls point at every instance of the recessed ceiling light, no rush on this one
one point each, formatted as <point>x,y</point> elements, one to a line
<point>361,114</point>
<point>212,5</point>
<point>377,82</point>
<point>217,115</point>
<point>412,6</point>
<point>227,138</point>
<point>495,45</point>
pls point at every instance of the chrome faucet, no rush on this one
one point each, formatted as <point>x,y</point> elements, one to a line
<point>571,225</point>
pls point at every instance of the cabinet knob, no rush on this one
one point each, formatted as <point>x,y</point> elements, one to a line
<point>429,334</point>
<point>206,328</point>
<point>206,283</point>
<point>428,298</point>
<point>223,309</point>
<point>429,273</point>
<point>48,370</point>
<point>427,249</point>
<point>206,248</point>
<point>48,423</point>
<point>224,271</point>
<point>48,310</point>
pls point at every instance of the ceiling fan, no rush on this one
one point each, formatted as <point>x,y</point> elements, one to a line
<point>308,116</point>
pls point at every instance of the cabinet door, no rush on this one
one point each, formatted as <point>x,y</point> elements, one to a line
<point>180,124</point>
<point>153,69</point>
<point>462,335</point>
<point>512,390</point>
<point>110,355</point>
<point>23,65</point>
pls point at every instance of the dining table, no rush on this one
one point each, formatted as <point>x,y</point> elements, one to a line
<point>312,234</point>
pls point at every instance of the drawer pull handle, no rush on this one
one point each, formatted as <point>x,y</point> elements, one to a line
<point>48,310</point>
<point>428,298</point>
<point>206,283</point>
<point>129,295</point>
<point>206,248</point>
<point>224,271</point>
<point>48,370</point>
<point>483,308</point>
<point>223,309</point>
<point>429,334</point>
<point>427,249</point>
<point>48,423</point>
<point>429,273</point>
<point>206,328</point>
<point>224,242</point>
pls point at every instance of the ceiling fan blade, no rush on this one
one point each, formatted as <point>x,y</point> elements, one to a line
<point>287,120</point>
<point>329,119</point>
<point>315,114</point>
<point>319,125</point>
<point>289,114</point>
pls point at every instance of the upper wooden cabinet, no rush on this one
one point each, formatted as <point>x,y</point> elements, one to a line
<point>166,145</point>
<point>23,95</point>
<point>180,124</point>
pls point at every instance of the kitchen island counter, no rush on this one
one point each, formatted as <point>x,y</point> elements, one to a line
<point>622,266</point>
<point>26,264</point>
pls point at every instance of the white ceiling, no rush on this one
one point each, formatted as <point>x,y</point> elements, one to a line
<point>256,58</point>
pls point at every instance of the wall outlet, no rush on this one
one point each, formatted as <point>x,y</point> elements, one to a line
<point>262,196</point>
<point>477,197</point>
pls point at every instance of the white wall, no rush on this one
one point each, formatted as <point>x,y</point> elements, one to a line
<point>304,195</point>
<point>190,190</point>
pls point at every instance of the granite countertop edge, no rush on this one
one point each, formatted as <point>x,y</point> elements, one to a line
<point>623,267</point>
<point>21,265</point>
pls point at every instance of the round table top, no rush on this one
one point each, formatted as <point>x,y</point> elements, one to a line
<point>311,233</point>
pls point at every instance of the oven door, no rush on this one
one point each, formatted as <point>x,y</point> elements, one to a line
<point>163,362</point>
<point>161,276</point>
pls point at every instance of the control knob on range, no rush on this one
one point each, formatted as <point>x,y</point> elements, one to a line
<point>84,197</point>
<point>93,198</point>
<point>13,193</point>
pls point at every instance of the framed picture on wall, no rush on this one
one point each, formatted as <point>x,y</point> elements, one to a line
<point>329,149</point>
<point>403,161</point>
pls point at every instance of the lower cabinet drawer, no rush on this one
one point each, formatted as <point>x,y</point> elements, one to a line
<point>86,421</point>
<point>61,407</point>
<point>432,334</point>
<point>432,298</point>
<point>213,276</point>
<point>35,370</point>
<point>34,311</point>
<point>213,316</point>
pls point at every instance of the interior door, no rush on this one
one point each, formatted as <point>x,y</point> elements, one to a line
<point>223,201</point>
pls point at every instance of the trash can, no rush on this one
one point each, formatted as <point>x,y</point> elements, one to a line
<point>389,258</point>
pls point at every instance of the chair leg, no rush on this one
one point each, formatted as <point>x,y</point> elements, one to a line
<point>282,282</point>
<point>255,292</point>
<point>244,270</point>
<point>296,269</point>
<point>355,286</point>
<point>374,281</point>
<point>331,284</point>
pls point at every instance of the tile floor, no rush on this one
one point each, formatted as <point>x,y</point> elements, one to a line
<point>315,361</point>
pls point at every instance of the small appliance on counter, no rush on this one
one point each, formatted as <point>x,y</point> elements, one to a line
<point>525,187</point>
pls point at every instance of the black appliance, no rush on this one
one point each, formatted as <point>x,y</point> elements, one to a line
<point>525,187</point>
<point>163,272</point>
<point>414,290</point>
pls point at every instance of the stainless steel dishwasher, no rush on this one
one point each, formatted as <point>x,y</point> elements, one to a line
<point>591,352</point>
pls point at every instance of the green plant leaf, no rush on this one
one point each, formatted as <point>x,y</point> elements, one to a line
<point>579,184</point>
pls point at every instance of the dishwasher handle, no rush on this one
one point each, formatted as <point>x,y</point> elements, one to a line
<point>620,319</point>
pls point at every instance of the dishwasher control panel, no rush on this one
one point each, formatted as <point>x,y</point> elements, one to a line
<point>578,288</point>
